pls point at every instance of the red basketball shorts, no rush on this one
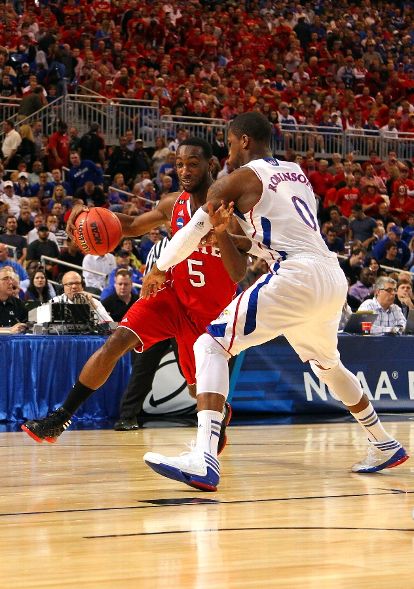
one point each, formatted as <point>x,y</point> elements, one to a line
<point>163,317</point>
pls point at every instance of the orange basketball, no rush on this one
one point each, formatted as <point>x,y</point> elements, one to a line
<point>98,231</point>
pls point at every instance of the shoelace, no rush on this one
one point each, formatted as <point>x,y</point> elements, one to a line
<point>372,451</point>
<point>191,448</point>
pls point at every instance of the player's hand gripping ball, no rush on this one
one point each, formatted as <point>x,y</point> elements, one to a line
<point>97,231</point>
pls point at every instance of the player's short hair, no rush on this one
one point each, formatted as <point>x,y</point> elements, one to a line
<point>252,124</point>
<point>198,142</point>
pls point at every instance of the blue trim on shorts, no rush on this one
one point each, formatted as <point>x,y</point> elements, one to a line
<point>250,324</point>
<point>217,329</point>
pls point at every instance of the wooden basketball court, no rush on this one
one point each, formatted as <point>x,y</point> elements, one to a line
<point>88,513</point>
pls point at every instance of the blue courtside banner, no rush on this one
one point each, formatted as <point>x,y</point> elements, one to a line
<point>265,379</point>
<point>272,379</point>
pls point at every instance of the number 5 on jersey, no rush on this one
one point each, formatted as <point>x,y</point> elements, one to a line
<point>197,278</point>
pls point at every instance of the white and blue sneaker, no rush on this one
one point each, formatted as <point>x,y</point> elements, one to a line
<point>377,459</point>
<point>196,469</point>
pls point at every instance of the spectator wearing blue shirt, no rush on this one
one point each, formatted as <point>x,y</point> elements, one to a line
<point>408,231</point>
<point>390,318</point>
<point>44,188</point>
<point>393,235</point>
<point>122,259</point>
<point>169,169</point>
<point>57,181</point>
<point>6,261</point>
<point>334,243</point>
<point>362,227</point>
<point>22,186</point>
<point>370,128</point>
<point>82,172</point>
<point>147,243</point>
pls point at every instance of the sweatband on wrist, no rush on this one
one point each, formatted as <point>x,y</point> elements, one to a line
<point>185,241</point>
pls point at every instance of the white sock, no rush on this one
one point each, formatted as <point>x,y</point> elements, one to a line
<point>208,433</point>
<point>369,420</point>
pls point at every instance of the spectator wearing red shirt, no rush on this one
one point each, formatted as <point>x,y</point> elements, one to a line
<point>108,90</point>
<point>401,205</point>
<point>331,197</point>
<point>370,199</point>
<point>403,180</point>
<point>362,100</point>
<point>58,147</point>
<point>229,110</point>
<point>347,197</point>
<point>380,110</point>
<point>407,125</point>
<point>321,180</point>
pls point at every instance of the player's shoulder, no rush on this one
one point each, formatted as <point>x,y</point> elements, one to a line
<point>272,164</point>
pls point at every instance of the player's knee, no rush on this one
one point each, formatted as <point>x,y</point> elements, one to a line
<point>207,346</point>
<point>207,353</point>
<point>321,371</point>
<point>211,366</point>
<point>120,342</point>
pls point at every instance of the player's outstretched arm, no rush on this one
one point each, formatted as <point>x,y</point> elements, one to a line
<point>136,226</point>
<point>133,226</point>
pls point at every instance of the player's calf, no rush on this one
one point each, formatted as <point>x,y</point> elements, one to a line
<point>227,415</point>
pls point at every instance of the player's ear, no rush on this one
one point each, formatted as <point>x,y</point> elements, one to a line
<point>245,141</point>
<point>83,283</point>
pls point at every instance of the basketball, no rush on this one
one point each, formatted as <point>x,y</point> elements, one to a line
<point>98,231</point>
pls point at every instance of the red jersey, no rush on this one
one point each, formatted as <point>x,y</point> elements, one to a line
<point>346,199</point>
<point>201,281</point>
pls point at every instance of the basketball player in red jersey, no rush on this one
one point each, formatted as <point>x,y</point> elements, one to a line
<point>195,290</point>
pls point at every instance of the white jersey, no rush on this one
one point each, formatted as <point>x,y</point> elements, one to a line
<point>284,222</point>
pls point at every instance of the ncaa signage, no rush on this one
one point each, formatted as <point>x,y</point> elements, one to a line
<point>272,379</point>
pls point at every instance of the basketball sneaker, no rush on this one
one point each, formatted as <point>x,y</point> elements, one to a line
<point>49,428</point>
<point>196,469</point>
<point>227,414</point>
<point>377,459</point>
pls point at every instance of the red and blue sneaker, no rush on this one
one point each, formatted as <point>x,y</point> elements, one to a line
<point>380,456</point>
<point>196,469</point>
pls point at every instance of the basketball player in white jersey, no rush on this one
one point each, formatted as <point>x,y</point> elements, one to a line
<point>301,298</point>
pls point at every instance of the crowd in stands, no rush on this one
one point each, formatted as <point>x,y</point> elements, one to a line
<point>316,63</point>
<point>302,64</point>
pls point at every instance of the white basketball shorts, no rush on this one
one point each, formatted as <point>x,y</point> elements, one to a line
<point>302,301</point>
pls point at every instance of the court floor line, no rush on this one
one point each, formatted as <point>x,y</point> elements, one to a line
<point>154,503</point>
<point>255,529</point>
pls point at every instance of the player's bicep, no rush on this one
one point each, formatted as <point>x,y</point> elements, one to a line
<point>242,187</point>
<point>158,216</point>
<point>220,191</point>
<point>146,222</point>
